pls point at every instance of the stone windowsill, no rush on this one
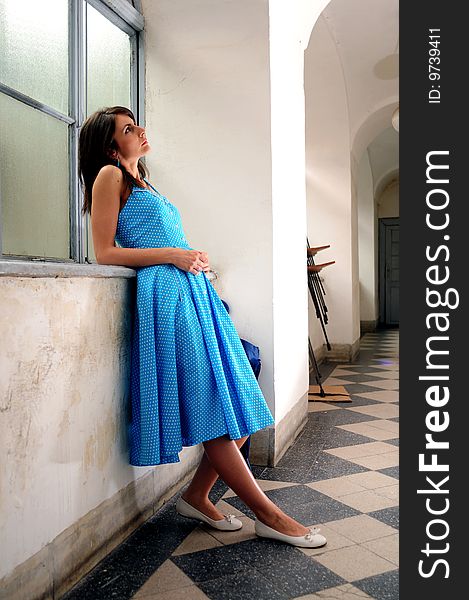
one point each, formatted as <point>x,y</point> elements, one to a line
<point>26,268</point>
<point>29,268</point>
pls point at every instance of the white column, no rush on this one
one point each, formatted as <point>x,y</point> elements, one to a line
<point>367,241</point>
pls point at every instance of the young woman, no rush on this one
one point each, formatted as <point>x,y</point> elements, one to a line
<point>191,381</point>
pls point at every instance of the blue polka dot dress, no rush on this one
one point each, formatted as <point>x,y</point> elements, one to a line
<point>191,380</point>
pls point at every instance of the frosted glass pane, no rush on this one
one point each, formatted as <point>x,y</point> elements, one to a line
<point>108,74</point>
<point>34,49</point>
<point>34,194</point>
<point>108,63</point>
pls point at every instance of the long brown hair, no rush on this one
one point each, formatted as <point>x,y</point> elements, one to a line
<point>95,142</point>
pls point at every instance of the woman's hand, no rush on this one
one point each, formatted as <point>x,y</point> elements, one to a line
<point>192,261</point>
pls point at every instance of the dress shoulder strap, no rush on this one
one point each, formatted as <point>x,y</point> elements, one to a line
<point>145,179</point>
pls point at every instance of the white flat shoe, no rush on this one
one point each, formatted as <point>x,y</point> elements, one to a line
<point>229,523</point>
<point>313,539</point>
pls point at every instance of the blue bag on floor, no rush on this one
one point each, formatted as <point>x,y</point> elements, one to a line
<point>253,355</point>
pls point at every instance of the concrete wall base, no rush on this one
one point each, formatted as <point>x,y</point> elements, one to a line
<point>368,326</point>
<point>270,444</point>
<point>344,353</point>
<point>59,565</point>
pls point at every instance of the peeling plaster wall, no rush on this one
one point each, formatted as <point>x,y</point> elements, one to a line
<point>65,359</point>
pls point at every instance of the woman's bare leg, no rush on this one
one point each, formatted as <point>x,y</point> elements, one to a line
<point>229,463</point>
<point>202,482</point>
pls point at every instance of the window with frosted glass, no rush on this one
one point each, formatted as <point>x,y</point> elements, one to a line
<point>34,49</point>
<point>34,160</point>
<point>53,73</point>
<point>33,182</point>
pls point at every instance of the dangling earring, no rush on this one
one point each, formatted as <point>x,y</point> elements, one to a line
<point>118,161</point>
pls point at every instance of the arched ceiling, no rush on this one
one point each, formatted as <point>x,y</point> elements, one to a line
<point>366,36</point>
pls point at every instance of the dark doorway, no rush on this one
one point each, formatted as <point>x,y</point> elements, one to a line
<point>389,271</point>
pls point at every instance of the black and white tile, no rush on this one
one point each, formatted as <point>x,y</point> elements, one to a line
<point>341,474</point>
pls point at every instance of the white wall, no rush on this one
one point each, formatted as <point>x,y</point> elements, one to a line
<point>208,121</point>
<point>378,172</point>
<point>331,215</point>
<point>367,242</point>
<point>388,200</point>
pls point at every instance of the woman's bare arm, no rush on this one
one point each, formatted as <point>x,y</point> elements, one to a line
<point>107,189</point>
<point>104,214</point>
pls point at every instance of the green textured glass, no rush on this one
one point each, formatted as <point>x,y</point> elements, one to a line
<point>108,74</point>
<point>34,49</point>
<point>34,182</point>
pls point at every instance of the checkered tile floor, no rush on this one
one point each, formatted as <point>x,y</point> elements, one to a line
<point>342,474</point>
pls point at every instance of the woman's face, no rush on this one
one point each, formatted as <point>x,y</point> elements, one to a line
<point>130,138</point>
